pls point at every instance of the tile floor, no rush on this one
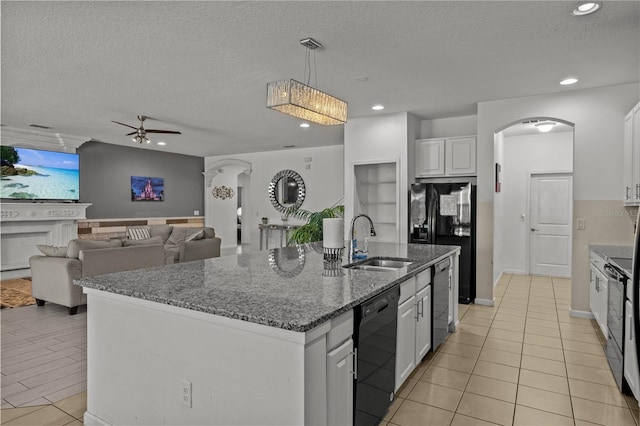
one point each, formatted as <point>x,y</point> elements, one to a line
<point>523,362</point>
<point>44,365</point>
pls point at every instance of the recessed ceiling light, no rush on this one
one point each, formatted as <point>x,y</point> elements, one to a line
<point>377,107</point>
<point>304,125</point>
<point>162,143</point>
<point>362,78</point>
<point>545,126</point>
<point>586,7</point>
<point>568,81</point>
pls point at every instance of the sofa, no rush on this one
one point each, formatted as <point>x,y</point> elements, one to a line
<point>53,272</point>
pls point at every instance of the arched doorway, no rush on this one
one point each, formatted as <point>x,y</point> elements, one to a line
<point>533,198</point>
<point>227,189</point>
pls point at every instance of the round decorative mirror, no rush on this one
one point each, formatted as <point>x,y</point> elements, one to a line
<point>286,191</point>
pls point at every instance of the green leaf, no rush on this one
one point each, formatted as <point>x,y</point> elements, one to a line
<point>312,230</point>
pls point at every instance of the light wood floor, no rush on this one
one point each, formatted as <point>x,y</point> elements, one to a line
<point>523,362</point>
<point>44,364</point>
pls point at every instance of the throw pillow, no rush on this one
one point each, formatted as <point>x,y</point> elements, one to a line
<point>162,230</point>
<point>138,233</point>
<point>209,232</point>
<point>196,236</point>
<point>148,241</point>
<point>53,251</point>
<point>178,235</point>
<point>73,251</point>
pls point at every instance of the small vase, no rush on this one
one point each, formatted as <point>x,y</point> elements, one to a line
<point>264,220</point>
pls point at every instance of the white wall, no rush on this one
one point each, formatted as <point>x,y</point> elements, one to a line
<point>324,183</point>
<point>379,139</point>
<point>222,214</point>
<point>498,200</point>
<point>598,117</point>
<point>447,127</point>
<point>543,152</point>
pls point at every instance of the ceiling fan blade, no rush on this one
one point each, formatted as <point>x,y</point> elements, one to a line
<point>117,122</point>
<point>163,131</point>
<point>132,133</point>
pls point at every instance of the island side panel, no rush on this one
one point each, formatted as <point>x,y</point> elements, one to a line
<point>140,351</point>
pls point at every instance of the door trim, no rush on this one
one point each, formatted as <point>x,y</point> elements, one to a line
<point>527,247</point>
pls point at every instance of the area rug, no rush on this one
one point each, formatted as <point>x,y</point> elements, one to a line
<point>15,293</point>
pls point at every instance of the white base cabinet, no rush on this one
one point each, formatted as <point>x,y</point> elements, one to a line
<point>141,352</point>
<point>423,323</point>
<point>598,291</point>
<point>340,384</point>
<point>414,325</point>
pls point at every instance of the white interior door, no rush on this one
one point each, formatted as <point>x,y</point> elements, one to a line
<point>551,221</point>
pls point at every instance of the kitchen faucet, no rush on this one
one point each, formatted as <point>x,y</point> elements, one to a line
<point>351,233</point>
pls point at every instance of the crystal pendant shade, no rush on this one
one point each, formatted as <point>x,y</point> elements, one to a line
<point>299,100</point>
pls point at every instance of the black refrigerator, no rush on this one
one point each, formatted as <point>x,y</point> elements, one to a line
<point>445,213</point>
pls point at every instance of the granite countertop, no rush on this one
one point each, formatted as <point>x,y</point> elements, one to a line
<point>609,252</point>
<point>290,288</point>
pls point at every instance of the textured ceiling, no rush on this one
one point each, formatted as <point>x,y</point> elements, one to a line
<point>202,67</point>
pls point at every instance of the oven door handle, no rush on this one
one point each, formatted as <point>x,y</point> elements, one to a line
<point>613,272</point>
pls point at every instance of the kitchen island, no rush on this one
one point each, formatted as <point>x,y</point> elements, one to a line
<point>257,338</point>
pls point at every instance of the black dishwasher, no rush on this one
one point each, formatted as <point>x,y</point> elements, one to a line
<point>375,343</point>
<point>440,309</point>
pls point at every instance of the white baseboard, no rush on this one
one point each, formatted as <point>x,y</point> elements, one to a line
<point>514,271</point>
<point>15,273</point>
<point>581,314</point>
<point>485,302</point>
<point>495,283</point>
<point>91,420</point>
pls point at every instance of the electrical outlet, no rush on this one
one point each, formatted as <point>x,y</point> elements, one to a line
<point>582,223</point>
<point>196,212</point>
<point>307,166</point>
<point>185,393</point>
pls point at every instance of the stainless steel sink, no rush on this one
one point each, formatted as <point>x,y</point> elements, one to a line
<point>377,264</point>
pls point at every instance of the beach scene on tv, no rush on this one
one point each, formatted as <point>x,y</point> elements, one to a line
<point>33,174</point>
<point>147,188</point>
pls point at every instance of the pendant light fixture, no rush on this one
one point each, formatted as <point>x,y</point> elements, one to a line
<point>303,101</point>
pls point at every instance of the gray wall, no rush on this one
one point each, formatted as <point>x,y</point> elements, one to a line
<point>105,181</point>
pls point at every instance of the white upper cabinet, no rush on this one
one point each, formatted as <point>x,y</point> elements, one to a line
<point>430,157</point>
<point>631,158</point>
<point>446,157</point>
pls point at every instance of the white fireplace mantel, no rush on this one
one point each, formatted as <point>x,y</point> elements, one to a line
<point>26,225</point>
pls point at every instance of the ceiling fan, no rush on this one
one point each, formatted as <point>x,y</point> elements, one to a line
<point>141,132</point>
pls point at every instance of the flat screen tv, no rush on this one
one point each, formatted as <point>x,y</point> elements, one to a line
<point>34,174</point>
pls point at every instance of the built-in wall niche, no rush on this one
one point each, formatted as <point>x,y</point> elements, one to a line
<point>376,194</point>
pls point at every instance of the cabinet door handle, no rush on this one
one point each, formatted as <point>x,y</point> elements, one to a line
<point>637,190</point>
<point>630,327</point>
<point>422,308</point>
<point>354,354</point>
<point>598,284</point>
<point>626,196</point>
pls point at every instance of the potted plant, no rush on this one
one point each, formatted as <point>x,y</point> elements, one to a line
<point>312,230</point>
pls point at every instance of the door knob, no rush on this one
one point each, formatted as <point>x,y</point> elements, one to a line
<point>534,229</point>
